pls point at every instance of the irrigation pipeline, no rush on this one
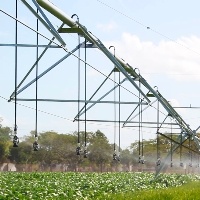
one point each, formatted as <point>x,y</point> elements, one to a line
<point>51,40</point>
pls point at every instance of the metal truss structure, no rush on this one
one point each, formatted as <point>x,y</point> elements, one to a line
<point>144,96</point>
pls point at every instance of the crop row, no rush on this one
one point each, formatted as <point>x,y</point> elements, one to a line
<point>48,185</point>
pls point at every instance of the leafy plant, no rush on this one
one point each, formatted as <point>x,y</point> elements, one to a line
<point>57,185</point>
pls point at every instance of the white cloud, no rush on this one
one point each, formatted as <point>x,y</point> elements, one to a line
<point>176,59</point>
<point>107,27</point>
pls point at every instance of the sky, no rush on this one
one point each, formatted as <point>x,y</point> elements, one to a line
<point>160,38</point>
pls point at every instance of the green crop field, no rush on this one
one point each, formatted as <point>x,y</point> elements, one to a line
<point>69,185</point>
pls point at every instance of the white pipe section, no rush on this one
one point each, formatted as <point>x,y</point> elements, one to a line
<point>50,7</point>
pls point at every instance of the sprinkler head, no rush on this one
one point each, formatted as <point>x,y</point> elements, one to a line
<point>85,153</point>
<point>35,146</point>
<point>15,141</point>
<point>139,160</point>
<point>114,156</point>
<point>78,151</point>
<point>158,162</point>
<point>142,161</point>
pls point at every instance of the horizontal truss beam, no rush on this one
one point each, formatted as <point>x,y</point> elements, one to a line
<point>81,101</point>
<point>128,122</point>
<point>193,107</point>
<point>29,45</point>
<point>153,127</point>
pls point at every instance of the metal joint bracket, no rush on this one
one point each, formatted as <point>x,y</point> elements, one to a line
<point>71,30</point>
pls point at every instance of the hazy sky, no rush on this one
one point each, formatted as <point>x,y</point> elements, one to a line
<point>166,53</point>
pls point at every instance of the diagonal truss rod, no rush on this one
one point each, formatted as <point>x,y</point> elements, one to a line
<point>49,69</point>
<point>33,66</point>
<point>129,117</point>
<point>83,110</point>
<point>48,25</point>
<point>158,128</point>
<point>179,143</point>
<point>94,94</point>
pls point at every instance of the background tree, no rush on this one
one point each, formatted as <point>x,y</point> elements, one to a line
<point>100,151</point>
<point>5,142</point>
<point>126,158</point>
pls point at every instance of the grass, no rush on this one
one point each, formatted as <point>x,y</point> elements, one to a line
<point>189,191</point>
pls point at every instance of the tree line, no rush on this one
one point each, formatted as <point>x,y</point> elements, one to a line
<point>60,149</point>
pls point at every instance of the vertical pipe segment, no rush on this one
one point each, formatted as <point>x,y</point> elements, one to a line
<point>35,144</point>
<point>78,148</point>
<point>85,145</point>
<point>15,138</point>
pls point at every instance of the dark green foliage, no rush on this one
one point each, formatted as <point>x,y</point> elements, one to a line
<point>5,142</point>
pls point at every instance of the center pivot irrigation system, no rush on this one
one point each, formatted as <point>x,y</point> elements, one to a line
<point>144,96</point>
